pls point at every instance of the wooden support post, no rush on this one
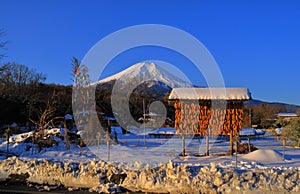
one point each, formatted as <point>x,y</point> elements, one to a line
<point>283,145</point>
<point>108,144</point>
<point>207,142</point>
<point>231,142</point>
<point>249,145</point>
<point>236,150</point>
<point>183,144</point>
<point>230,135</point>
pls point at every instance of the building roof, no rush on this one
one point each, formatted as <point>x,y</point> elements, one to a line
<point>242,94</point>
<point>286,114</point>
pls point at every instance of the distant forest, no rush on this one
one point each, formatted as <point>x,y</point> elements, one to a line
<point>23,93</point>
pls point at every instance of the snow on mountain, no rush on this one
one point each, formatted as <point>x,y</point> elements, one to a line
<point>146,71</point>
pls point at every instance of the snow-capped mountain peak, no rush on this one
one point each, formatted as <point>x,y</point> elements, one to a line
<point>146,71</point>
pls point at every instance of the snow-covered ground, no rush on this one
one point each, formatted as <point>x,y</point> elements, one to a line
<point>132,148</point>
<point>154,164</point>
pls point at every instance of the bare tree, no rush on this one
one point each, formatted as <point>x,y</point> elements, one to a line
<point>46,118</point>
<point>2,43</point>
<point>3,67</point>
<point>19,75</point>
<point>17,80</point>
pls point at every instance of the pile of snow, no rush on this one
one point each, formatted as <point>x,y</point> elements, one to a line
<point>100,176</point>
<point>264,156</point>
<point>278,131</point>
<point>56,131</point>
<point>21,144</point>
<point>247,132</point>
<point>167,130</point>
<point>259,132</point>
<point>18,138</point>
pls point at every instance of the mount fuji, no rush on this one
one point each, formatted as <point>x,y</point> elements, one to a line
<point>147,78</point>
<point>151,71</point>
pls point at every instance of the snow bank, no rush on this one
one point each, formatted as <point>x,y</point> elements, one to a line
<point>106,177</point>
<point>18,138</point>
<point>77,168</point>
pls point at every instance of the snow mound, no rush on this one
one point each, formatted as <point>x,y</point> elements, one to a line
<point>264,156</point>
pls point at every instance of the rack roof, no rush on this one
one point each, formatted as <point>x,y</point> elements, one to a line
<point>241,94</point>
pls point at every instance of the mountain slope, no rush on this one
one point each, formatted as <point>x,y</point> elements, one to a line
<point>287,107</point>
<point>146,71</point>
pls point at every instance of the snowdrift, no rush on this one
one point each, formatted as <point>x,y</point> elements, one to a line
<point>103,177</point>
<point>264,156</point>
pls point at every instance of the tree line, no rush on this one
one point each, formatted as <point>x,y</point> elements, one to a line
<point>23,92</point>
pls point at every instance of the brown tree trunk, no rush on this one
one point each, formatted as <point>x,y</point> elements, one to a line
<point>66,136</point>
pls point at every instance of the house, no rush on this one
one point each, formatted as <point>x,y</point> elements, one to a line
<point>286,115</point>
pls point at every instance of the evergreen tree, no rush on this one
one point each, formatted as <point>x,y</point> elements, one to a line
<point>292,131</point>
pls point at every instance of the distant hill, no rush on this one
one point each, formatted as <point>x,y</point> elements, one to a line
<point>289,107</point>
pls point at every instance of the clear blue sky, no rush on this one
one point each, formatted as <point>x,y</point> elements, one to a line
<point>255,43</point>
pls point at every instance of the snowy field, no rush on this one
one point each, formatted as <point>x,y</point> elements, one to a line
<point>137,155</point>
<point>156,150</point>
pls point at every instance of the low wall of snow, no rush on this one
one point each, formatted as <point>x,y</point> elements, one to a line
<point>168,178</point>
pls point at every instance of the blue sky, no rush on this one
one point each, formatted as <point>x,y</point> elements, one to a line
<point>255,43</point>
